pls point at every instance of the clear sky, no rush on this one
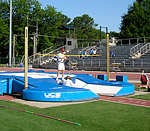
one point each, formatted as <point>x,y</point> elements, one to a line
<point>104,12</point>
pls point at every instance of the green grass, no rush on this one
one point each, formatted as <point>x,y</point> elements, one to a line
<point>143,97</point>
<point>93,116</point>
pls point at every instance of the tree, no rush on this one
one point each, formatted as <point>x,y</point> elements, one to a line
<point>136,23</point>
<point>4,28</point>
<point>114,34</point>
<point>85,27</point>
<point>48,22</point>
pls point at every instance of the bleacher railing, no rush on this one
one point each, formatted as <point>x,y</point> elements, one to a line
<point>135,49</point>
<point>45,58</point>
<point>99,64</point>
<point>34,57</point>
<point>145,49</point>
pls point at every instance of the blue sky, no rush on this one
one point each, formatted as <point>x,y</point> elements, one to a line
<point>104,12</point>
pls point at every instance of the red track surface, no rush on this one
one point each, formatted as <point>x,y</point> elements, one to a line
<point>131,76</point>
<point>7,97</point>
<point>129,101</point>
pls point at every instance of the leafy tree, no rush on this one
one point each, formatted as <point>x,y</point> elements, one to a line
<point>136,23</point>
<point>4,28</point>
<point>85,27</point>
<point>48,22</point>
<point>114,34</point>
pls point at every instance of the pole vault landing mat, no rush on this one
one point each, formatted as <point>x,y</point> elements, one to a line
<point>42,86</point>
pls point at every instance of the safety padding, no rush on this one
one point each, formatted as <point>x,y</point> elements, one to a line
<point>54,96</point>
<point>102,77</point>
<point>6,86</point>
<point>122,78</point>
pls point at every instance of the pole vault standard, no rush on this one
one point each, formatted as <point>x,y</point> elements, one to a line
<point>107,42</point>
<point>108,61</point>
<point>26,59</point>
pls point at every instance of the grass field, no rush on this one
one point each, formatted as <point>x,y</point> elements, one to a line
<point>143,97</point>
<point>93,116</point>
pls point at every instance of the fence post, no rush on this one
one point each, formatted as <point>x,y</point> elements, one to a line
<point>91,63</point>
<point>142,63</point>
<point>83,64</point>
<point>133,64</point>
<point>99,62</point>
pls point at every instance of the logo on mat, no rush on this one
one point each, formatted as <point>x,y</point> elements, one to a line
<point>52,95</point>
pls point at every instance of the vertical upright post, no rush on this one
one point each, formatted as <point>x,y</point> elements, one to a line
<point>106,30</point>
<point>27,21</point>
<point>100,34</point>
<point>14,48</point>
<point>26,58</point>
<point>108,58</point>
<point>10,34</point>
<point>34,46</point>
<point>36,35</point>
<point>129,42</point>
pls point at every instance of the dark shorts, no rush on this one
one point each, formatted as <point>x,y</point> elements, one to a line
<point>144,83</point>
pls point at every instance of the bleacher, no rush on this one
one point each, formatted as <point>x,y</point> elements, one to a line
<point>100,62</point>
<point>138,64</point>
<point>120,62</point>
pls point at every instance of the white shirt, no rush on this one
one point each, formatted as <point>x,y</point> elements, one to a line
<point>68,82</point>
<point>60,57</point>
<point>94,52</point>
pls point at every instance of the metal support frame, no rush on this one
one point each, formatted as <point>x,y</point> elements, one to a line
<point>101,32</point>
<point>35,35</point>
<point>108,62</point>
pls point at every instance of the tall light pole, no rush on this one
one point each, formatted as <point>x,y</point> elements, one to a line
<point>10,34</point>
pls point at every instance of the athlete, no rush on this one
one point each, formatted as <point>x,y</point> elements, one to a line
<point>144,80</point>
<point>68,81</point>
<point>61,66</point>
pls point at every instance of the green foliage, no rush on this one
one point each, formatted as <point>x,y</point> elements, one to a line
<point>4,28</point>
<point>136,23</point>
<point>29,12</point>
<point>48,22</point>
<point>85,27</point>
<point>114,34</point>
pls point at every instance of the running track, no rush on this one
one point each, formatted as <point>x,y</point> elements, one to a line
<point>131,76</point>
